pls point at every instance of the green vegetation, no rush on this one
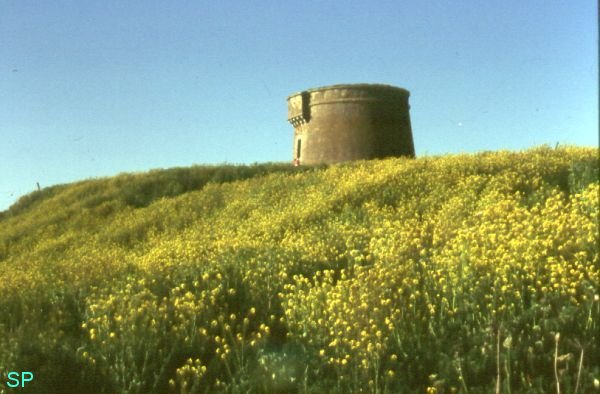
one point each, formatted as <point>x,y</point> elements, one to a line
<point>461,273</point>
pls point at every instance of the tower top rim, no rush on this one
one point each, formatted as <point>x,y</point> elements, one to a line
<point>373,87</point>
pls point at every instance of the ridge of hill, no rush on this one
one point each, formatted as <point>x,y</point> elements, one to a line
<point>388,275</point>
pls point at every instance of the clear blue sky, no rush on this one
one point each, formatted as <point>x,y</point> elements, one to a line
<point>94,88</point>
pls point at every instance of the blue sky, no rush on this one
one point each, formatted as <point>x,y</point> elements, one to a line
<point>91,89</point>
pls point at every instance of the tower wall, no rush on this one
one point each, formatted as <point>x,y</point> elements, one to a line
<point>350,122</point>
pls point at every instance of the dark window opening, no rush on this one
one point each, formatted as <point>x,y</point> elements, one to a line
<point>298,148</point>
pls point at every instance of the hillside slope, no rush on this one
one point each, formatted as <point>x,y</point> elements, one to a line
<point>438,274</point>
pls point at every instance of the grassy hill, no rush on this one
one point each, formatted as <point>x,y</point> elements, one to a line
<point>460,273</point>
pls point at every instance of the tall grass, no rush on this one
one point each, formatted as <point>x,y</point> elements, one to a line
<point>459,273</point>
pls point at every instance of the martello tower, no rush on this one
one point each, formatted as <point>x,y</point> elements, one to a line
<point>339,123</point>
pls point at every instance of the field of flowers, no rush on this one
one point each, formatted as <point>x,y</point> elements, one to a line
<point>451,274</point>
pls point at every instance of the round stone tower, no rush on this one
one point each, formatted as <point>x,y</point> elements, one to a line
<point>339,123</point>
